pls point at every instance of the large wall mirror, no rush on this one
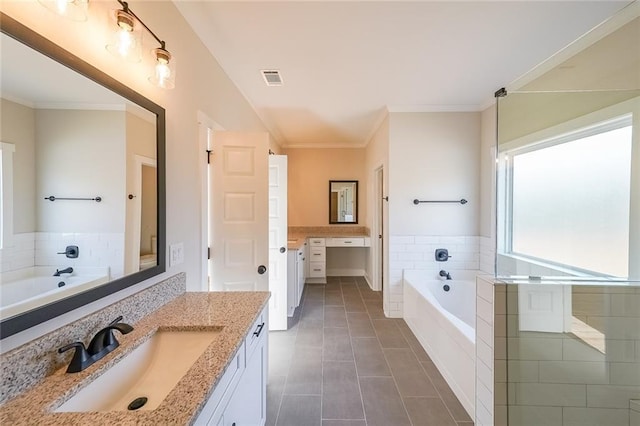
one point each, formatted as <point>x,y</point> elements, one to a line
<point>343,202</point>
<point>82,178</point>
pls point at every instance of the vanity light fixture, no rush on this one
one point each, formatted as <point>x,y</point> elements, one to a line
<point>128,45</point>
<point>164,73</point>
<point>75,10</point>
<point>126,42</point>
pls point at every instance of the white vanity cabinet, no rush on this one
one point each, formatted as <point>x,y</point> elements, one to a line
<point>240,397</point>
<point>295,278</point>
<point>317,261</point>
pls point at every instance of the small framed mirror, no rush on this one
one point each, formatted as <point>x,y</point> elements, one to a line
<point>343,202</point>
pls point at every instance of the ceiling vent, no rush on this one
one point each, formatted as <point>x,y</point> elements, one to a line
<point>272,77</point>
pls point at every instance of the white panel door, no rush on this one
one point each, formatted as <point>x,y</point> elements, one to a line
<point>278,242</point>
<point>240,225</point>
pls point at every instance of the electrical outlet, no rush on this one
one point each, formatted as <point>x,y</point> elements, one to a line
<point>176,254</point>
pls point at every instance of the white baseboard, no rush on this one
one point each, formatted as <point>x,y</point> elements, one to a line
<point>367,278</point>
<point>345,272</point>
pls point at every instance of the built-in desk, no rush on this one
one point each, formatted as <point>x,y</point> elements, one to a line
<point>348,242</point>
<point>328,253</point>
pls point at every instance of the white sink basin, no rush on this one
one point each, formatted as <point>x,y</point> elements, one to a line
<point>151,370</point>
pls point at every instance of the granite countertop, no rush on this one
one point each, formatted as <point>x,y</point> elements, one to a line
<point>297,235</point>
<point>234,311</point>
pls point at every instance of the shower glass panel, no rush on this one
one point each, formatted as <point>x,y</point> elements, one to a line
<point>568,186</point>
<point>567,354</point>
<point>567,309</point>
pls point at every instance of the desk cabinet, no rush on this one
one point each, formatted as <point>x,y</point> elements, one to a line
<point>317,261</point>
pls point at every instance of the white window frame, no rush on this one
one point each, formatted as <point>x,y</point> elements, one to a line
<point>610,118</point>
<point>6,195</point>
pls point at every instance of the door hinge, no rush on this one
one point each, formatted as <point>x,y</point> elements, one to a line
<point>208,252</point>
<point>209,156</point>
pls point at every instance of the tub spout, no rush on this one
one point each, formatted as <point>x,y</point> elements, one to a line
<point>446,274</point>
<point>68,270</point>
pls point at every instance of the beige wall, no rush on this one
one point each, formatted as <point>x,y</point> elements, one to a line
<point>83,160</point>
<point>434,156</point>
<point>18,128</point>
<point>201,85</point>
<point>376,156</point>
<point>141,140</point>
<point>487,172</point>
<point>309,173</point>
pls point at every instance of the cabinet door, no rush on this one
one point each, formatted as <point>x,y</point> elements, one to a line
<point>292,287</point>
<point>300,280</point>
<point>306,259</point>
<point>247,407</point>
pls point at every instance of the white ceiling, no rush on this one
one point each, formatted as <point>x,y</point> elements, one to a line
<point>345,63</point>
<point>37,81</point>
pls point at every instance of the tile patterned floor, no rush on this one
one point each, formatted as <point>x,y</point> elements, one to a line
<point>342,363</point>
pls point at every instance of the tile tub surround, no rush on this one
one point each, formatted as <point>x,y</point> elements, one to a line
<point>26,365</point>
<point>418,252</point>
<point>41,249</point>
<point>235,311</point>
<point>20,254</point>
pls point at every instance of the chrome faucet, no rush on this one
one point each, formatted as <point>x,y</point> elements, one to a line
<point>68,270</point>
<point>101,344</point>
<point>444,273</point>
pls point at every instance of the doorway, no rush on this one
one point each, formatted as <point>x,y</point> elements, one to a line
<point>141,217</point>
<point>378,234</point>
<point>206,129</point>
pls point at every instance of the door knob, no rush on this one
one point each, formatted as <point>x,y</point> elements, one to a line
<point>282,249</point>
<point>262,269</point>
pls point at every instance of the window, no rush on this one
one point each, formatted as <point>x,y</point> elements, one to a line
<point>568,199</point>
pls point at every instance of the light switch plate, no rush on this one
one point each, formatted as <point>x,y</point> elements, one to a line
<point>176,254</point>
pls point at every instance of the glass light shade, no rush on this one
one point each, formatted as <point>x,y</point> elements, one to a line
<point>164,70</point>
<point>74,10</point>
<point>126,40</point>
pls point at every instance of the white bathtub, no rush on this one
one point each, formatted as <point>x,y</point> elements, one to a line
<point>28,288</point>
<point>444,323</point>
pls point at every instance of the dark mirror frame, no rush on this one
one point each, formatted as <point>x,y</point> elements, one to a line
<point>355,221</point>
<point>28,37</point>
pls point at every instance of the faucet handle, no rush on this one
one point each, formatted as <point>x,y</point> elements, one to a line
<point>115,321</point>
<point>80,357</point>
<point>104,339</point>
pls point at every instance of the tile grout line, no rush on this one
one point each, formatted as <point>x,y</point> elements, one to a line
<point>436,388</point>
<point>284,386</point>
<point>364,412</point>
<point>395,382</point>
<point>324,288</point>
<point>429,377</point>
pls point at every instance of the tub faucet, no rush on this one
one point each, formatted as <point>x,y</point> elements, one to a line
<point>444,273</point>
<point>68,270</point>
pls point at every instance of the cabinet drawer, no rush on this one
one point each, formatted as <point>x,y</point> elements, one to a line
<point>317,254</point>
<point>317,269</point>
<point>345,242</point>
<point>258,330</point>
<point>317,242</point>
